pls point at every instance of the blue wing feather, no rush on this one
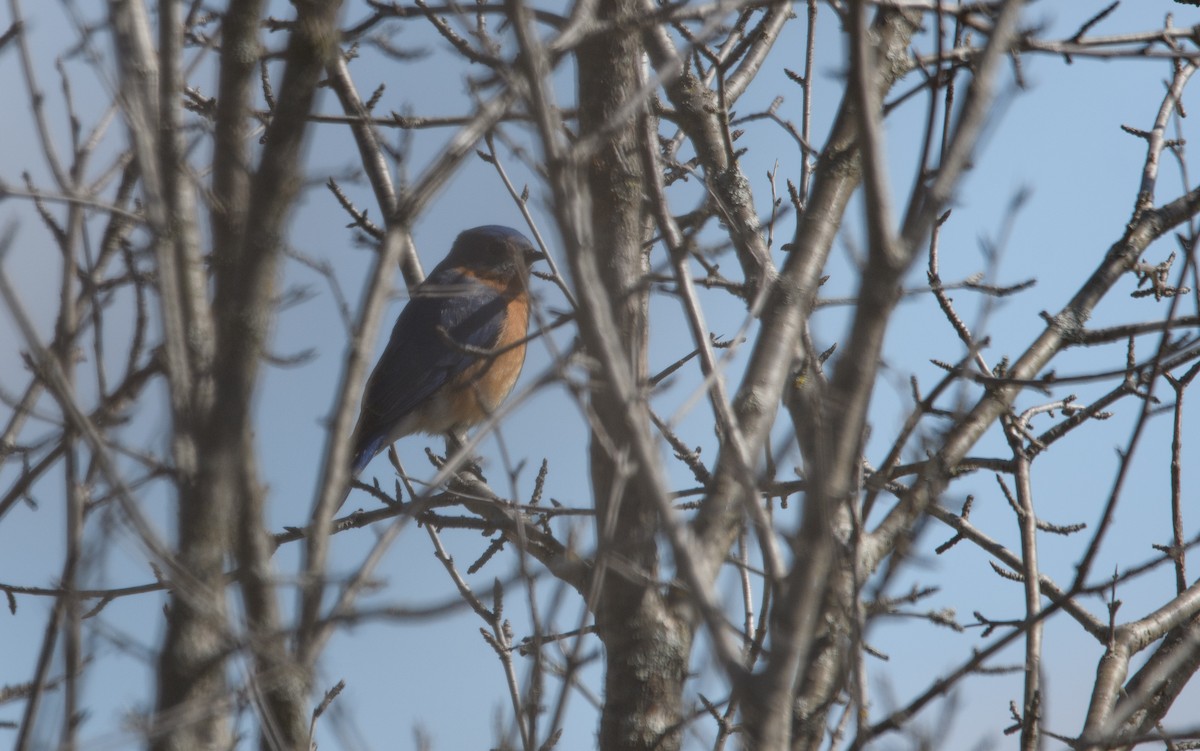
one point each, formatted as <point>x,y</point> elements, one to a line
<point>418,359</point>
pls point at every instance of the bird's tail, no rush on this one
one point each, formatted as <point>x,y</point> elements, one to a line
<point>364,452</point>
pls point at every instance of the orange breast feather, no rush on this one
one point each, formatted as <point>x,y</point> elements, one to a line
<point>481,387</point>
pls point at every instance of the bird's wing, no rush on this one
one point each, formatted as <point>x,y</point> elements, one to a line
<point>450,312</point>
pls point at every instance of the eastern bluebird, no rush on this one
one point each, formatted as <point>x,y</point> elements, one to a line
<point>452,357</point>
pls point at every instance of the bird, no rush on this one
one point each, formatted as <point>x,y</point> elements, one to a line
<point>457,347</point>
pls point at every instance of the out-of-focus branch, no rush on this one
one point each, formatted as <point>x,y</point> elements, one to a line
<point>187,334</point>
<point>702,113</point>
<point>371,156</point>
<point>244,294</point>
<point>36,97</point>
<point>414,200</point>
<point>189,679</point>
<point>244,276</point>
<point>51,375</point>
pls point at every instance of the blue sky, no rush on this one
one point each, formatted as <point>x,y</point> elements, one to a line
<point>1059,138</point>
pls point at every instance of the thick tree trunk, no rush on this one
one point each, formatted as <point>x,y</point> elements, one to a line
<point>647,649</point>
<point>226,495</point>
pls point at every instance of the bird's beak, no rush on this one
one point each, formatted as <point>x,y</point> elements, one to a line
<point>533,256</point>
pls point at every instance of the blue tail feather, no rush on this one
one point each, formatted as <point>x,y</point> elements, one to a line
<point>363,456</point>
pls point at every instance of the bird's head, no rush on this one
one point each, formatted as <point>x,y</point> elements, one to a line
<point>493,251</point>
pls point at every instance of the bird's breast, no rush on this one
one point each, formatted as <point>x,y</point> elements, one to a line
<point>482,386</point>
